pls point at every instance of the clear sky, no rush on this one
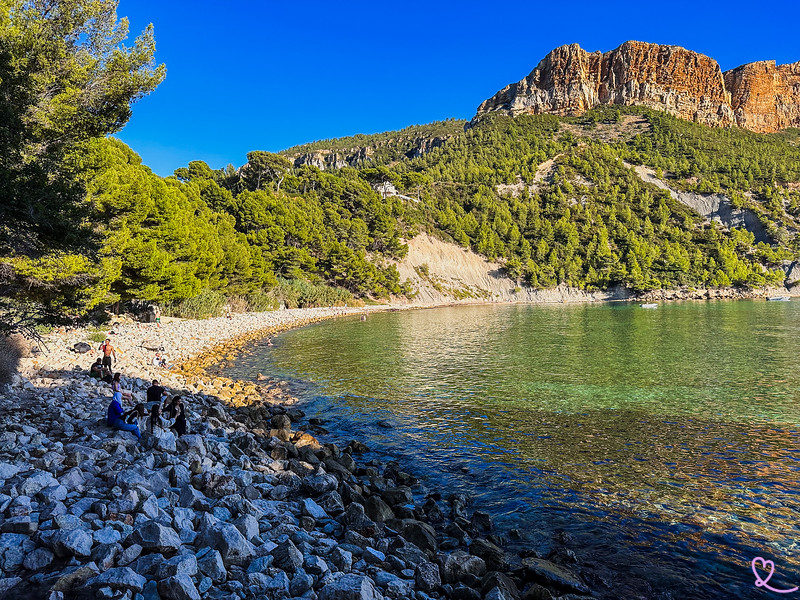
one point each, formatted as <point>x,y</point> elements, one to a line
<point>267,75</point>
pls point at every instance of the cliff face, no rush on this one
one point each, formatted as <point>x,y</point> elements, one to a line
<point>762,97</point>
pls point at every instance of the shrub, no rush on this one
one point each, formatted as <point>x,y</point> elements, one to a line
<point>208,303</point>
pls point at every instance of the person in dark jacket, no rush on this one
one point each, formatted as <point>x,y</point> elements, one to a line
<point>155,393</point>
<point>179,426</point>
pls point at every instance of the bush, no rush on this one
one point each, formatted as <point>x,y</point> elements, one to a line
<point>261,303</point>
<point>208,303</point>
<point>12,348</point>
<point>299,293</point>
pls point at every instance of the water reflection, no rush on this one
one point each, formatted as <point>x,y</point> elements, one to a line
<point>664,441</point>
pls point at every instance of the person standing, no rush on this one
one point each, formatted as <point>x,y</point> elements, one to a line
<point>108,351</point>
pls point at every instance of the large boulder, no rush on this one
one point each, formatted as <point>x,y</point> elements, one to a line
<point>155,537</point>
<point>229,541</point>
<point>121,578</point>
<point>544,571</point>
<point>178,587</point>
<point>287,556</point>
<point>75,542</point>
<point>426,577</point>
<point>418,533</point>
<point>349,587</point>
<point>459,564</point>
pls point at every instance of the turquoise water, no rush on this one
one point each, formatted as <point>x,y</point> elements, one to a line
<point>663,442</point>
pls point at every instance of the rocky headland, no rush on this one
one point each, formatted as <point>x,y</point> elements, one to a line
<point>249,504</point>
<point>760,96</point>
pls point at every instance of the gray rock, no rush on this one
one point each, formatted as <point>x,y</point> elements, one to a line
<point>248,526</point>
<point>234,549</point>
<point>194,499</point>
<point>278,586</point>
<point>349,587</point>
<point>106,535</point>
<point>130,554</point>
<point>312,509</point>
<point>397,495</point>
<point>261,564</point>
<point>155,537</point>
<point>192,444</point>
<point>178,587</point>
<point>498,594</point>
<point>301,583</point>
<point>372,556</point>
<point>459,564</point>
<point>212,565</point>
<point>67,522</point>
<point>7,470</point>
<point>22,525</point>
<point>104,554</point>
<point>37,481</point>
<point>418,533</point>
<point>342,559</point>
<point>74,577</point>
<point>75,542</point>
<point>8,583</point>
<point>493,555</point>
<point>320,483</point>
<point>287,556</point>
<point>377,509</point>
<point>426,577</point>
<point>548,572</point>
<point>122,578</point>
<point>40,558</point>
<point>53,493</point>
<point>331,503</point>
<point>182,564</point>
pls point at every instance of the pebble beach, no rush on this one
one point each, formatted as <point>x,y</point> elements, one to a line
<point>251,503</point>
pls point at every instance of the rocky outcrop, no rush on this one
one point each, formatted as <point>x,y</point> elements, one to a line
<point>765,96</point>
<point>762,97</point>
<point>359,155</point>
<point>714,207</point>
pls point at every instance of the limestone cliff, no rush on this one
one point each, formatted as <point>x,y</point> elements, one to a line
<point>761,96</point>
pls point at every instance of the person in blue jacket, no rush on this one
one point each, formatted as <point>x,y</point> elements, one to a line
<point>115,416</point>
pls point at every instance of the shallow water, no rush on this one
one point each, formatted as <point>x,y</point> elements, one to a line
<point>664,442</point>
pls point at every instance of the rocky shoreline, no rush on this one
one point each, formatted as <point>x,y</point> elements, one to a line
<point>248,505</point>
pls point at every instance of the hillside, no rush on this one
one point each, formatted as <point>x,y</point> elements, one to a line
<point>624,200</point>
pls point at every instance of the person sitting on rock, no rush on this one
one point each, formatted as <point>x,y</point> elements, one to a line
<point>135,415</point>
<point>159,425</point>
<point>179,422</point>
<point>116,387</point>
<point>170,407</point>
<point>156,393</point>
<point>115,417</point>
<point>107,375</point>
<point>96,370</point>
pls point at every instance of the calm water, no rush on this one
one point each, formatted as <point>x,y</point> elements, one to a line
<point>664,442</point>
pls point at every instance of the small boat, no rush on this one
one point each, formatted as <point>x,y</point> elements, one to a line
<point>778,298</point>
<point>649,305</point>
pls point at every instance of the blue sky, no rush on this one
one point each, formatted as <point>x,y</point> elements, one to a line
<point>267,75</point>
